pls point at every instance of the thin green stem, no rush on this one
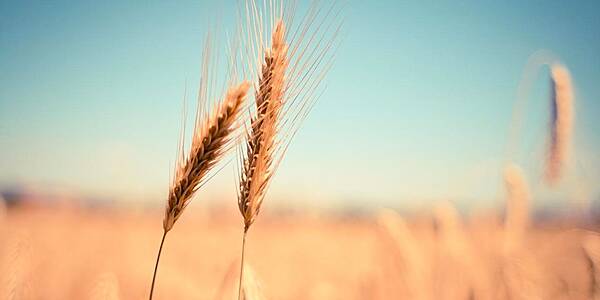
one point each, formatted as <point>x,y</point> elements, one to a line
<point>242,264</point>
<point>162,241</point>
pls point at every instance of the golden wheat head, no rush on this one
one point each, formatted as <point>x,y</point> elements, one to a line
<point>209,144</point>
<point>258,163</point>
<point>288,66</point>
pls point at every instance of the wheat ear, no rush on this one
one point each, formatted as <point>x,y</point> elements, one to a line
<point>260,145</point>
<point>208,146</point>
<point>210,142</point>
<point>561,121</point>
<point>260,148</point>
<point>288,69</point>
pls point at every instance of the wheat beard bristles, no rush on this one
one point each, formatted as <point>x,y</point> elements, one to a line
<point>208,145</point>
<point>261,144</point>
<point>561,123</point>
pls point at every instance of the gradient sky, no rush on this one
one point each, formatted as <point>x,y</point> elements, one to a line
<point>417,107</point>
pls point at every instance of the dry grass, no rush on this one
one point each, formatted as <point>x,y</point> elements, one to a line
<point>296,257</point>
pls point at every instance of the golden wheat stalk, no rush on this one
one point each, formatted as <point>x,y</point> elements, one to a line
<point>561,122</point>
<point>288,69</point>
<point>210,142</point>
<point>517,206</point>
<point>408,252</point>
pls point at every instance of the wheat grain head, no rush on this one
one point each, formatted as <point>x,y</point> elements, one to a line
<point>288,63</point>
<point>210,142</point>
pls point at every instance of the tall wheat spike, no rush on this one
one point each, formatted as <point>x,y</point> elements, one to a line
<point>288,68</point>
<point>517,206</point>
<point>260,145</point>
<point>561,121</point>
<point>251,287</point>
<point>213,136</point>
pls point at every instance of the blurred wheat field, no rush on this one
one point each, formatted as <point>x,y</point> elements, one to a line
<point>74,254</point>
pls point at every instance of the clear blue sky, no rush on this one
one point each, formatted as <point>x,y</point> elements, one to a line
<point>417,107</point>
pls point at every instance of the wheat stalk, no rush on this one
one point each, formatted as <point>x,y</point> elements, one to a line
<point>561,121</point>
<point>517,206</point>
<point>408,251</point>
<point>251,288</point>
<point>210,142</point>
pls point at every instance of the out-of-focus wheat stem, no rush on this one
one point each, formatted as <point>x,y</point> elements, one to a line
<point>517,206</point>
<point>258,166</point>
